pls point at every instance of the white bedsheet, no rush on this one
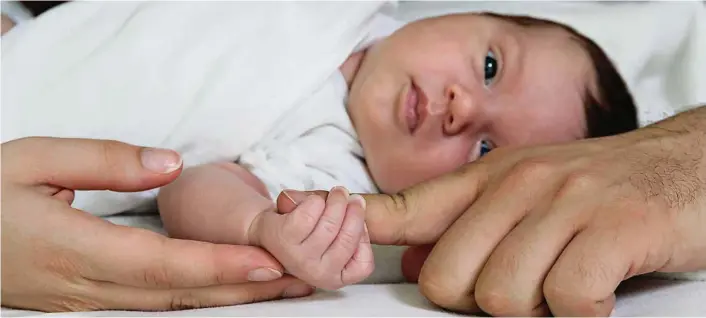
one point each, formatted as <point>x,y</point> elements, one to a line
<point>639,297</point>
<point>660,48</point>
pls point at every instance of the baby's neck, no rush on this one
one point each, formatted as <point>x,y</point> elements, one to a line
<point>350,67</point>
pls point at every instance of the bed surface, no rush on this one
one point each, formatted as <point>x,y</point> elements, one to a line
<point>638,297</point>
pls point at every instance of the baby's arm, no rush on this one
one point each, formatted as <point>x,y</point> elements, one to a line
<point>322,243</point>
<point>214,203</point>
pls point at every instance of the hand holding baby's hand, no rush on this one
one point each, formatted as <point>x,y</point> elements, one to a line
<point>325,244</point>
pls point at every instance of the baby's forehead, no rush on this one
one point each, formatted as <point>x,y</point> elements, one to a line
<point>553,72</point>
<point>565,48</point>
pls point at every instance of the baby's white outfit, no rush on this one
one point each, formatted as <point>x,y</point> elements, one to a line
<point>313,146</point>
<point>304,145</point>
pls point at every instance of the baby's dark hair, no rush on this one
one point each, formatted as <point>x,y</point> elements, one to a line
<point>611,110</point>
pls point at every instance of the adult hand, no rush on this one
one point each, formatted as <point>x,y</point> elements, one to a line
<point>555,228</point>
<point>56,258</point>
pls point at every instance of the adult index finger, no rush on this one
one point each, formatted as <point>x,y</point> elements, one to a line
<point>141,258</point>
<point>417,215</point>
<point>88,164</point>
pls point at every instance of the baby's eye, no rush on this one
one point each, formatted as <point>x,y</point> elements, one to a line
<point>485,148</point>
<point>490,67</point>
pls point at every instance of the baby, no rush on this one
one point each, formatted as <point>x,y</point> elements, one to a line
<point>430,97</point>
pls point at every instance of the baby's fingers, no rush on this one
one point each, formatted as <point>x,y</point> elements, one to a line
<point>351,251</point>
<point>329,224</point>
<point>361,265</point>
<point>299,224</point>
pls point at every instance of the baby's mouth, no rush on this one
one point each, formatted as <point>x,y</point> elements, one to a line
<point>411,105</point>
<point>415,107</point>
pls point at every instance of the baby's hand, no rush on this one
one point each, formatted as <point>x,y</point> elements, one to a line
<point>325,244</point>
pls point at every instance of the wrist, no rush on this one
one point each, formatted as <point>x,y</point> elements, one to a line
<point>692,121</point>
<point>670,166</point>
<point>255,230</point>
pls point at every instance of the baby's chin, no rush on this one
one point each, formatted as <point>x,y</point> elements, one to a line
<point>349,68</point>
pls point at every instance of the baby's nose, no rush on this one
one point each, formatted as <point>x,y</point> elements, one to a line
<point>461,110</point>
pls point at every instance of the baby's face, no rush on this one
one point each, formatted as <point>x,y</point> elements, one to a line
<point>440,92</point>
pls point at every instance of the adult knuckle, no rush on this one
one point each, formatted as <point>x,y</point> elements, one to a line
<point>532,170</point>
<point>556,292</point>
<point>495,302</point>
<point>219,278</point>
<point>580,181</point>
<point>151,273</point>
<point>156,272</point>
<point>348,239</point>
<point>157,275</point>
<point>251,296</point>
<point>309,217</point>
<point>397,205</point>
<point>216,273</point>
<point>329,225</point>
<point>574,288</point>
<point>185,300</point>
<point>439,293</point>
<point>510,262</point>
<point>110,151</point>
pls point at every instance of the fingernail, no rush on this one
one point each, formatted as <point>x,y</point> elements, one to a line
<point>263,274</point>
<point>359,198</point>
<point>297,290</point>
<point>295,196</point>
<point>341,189</point>
<point>160,160</point>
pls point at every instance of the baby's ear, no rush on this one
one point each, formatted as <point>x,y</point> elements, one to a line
<point>288,200</point>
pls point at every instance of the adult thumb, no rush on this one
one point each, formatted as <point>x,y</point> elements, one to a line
<point>89,164</point>
<point>417,215</point>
